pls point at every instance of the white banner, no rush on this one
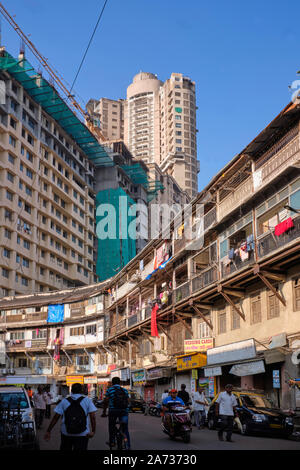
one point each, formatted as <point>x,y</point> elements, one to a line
<point>248,368</point>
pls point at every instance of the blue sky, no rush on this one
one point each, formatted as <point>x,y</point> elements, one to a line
<point>242,56</point>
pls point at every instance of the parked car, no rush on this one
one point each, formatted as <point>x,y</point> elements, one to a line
<point>256,414</point>
<point>17,426</point>
<point>209,401</point>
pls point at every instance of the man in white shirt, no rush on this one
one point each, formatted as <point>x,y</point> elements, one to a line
<point>199,403</point>
<point>226,408</point>
<point>78,438</point>
<point>39,401</point>
<point>164,395</point>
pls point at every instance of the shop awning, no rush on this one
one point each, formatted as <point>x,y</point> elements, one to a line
<point>215,370</point>
<point>248,368</point>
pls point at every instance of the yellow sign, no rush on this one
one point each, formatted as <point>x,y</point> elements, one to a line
<point>74,379</point>
<point>198,345</point>
<point>191,361</point>
<point>195,374</point>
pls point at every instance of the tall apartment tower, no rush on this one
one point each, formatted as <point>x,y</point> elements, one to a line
<point>160,126</point>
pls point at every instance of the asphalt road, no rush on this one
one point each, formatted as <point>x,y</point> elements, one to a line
<point>146,434</point>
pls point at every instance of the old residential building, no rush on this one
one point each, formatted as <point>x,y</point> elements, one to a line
<point>220,307</point>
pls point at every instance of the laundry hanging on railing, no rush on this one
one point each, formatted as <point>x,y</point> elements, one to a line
<point>154,330</point>
<point>284,226</point>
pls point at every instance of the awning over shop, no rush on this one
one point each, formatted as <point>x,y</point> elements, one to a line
<point>213,371</point>
<point>191,361</point>
<point>274,355</point>
<point>232,353</point>
<point>248,368</point>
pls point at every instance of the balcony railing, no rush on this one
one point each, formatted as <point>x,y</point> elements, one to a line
<point>204,279</point>
<point>236,265</point>
<point>132,320</point>
<point>36,316</point>
<point>179,244</point>
<point>269,242</point>
<point>181,292</point>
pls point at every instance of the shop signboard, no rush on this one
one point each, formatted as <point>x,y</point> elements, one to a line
<point>233,352</point>
<point>102,369</point>
<point>90,380</point>
<point>74,379</point>
<point>115,373</point>
<point>198,345</point>
<point>195,374</point>
<point>212,371</point>
<point>111,367</point>
<point>90,309</point>
<point>138,376</point>
<point>211,386</point>
<point>191,361</point>
<point>125,374</point>
<point>276,379</point>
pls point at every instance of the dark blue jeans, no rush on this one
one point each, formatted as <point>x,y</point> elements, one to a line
<point>113,416</point>
<point>226,425</point>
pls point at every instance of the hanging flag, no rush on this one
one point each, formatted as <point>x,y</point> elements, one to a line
<point>155,263</point>
<point>154,330</point>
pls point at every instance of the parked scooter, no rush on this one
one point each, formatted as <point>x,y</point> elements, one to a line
<point>154,408</point>
<point>181,421</point>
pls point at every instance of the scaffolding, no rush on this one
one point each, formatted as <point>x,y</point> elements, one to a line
<point>43,93</point>
<point>139,176</point>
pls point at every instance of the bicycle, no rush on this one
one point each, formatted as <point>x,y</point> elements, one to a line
<point>120,437</point>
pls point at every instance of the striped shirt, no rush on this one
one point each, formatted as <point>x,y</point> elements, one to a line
<point>110,393</point>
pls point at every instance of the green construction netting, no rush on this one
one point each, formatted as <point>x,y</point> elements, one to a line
<point>45,94</point>
<point>139,176</point>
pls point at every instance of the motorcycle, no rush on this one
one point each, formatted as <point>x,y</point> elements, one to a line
<point>182,423</point>
<point>154,408</point>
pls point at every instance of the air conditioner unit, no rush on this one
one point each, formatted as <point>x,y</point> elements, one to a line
<point>11,371</point>
<point>4,371</point>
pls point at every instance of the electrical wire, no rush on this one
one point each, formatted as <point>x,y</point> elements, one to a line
<point>88,46</point>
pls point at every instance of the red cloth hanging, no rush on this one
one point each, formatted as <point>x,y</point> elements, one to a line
<point>284,226</point>
<point>154,330</point>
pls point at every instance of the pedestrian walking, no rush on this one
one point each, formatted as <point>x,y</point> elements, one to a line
<point>199,402</point>
<point>164,395</point>
<point>49,398</point>
<point>39,402</point>
<point>226,404</point>
<point>184,395</point>
<point>75,411</point>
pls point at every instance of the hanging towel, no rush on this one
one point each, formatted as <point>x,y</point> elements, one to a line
<point>283,215</point>
<point>231,254</point>
<point>244,246</point>
<point>226,260</point>
<point>284,226</point>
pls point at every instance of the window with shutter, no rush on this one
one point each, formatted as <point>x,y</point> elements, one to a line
<point>235,319</point>
<point>273,306</point>
<point>222,322</point>
<point>255,309</point>
<point>296,290</point>
<point>204,330</point>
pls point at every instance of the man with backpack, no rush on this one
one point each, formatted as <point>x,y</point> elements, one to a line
<point>117,401</point>
<point>75,412</point>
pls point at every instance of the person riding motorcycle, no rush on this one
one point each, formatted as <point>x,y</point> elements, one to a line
<point>167,405</point>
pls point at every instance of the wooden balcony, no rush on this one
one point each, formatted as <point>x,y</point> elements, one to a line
<point>236,265</point>
<point>204,279</point>
<point>181,292</point>
<point>269,242</point>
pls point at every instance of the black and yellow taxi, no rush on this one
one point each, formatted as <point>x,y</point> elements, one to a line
<point>256,415</point>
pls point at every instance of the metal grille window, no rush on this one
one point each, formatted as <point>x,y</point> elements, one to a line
<point>222,322</point>
<point>17,335</point>
<point>255,309</point>
<point>39,334</point>
<point>273,306</point>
